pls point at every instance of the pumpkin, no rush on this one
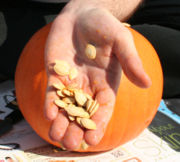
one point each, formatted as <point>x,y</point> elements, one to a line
<point>134,108</point>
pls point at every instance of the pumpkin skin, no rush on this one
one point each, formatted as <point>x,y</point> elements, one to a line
<point>134,108</point>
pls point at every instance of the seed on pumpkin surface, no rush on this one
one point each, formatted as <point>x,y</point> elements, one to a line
<point>90,51</point>
<point>73,73</point>
<point>88,123</point>
<point>60,103</point>
<point>61,68</point>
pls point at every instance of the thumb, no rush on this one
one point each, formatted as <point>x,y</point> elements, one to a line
<point>126,52</point>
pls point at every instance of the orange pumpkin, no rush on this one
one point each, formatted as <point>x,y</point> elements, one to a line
<point>134,109</point>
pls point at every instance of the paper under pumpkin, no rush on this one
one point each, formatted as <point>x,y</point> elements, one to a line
<point>134,109</point>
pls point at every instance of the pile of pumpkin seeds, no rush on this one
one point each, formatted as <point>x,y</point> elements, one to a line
<point>80,106</point>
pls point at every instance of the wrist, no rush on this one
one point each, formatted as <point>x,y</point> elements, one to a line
<point>78,7</point>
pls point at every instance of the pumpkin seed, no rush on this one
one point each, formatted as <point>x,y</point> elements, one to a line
<point>72,118</point>
<point>88,104</point>
<point>90,51</point>
<point>94,109</point>
<point>60,94</point>
<point>84,145</point>
<point>67,92</point>
<point>80,97</point>
<point>72,87</point>
<point>14,103</point>
<point>60,103</point>
<point>92,106</point>
<point>73,73</point>
<point>62,147</point>
<point>61,68</point>
<point>88,123</point>
<point>78,120</point>
<point>88,96</point>
<point>76,111</point>
<point>126,24</point>
<point>69,100</point>
<point>59,86</point>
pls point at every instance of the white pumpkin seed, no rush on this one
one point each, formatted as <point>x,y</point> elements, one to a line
<point>80,98</point>
<point>84,145</point>
<point>60,94</point>
<point>69,100</point>
<point>78,120</point>
<point>88,96</point>
<point>92,106</point>
<point>94,109</point>
<point>72,87</point>
<point>76,111</point>
<point>61,68</point>
<point>89,104</point>
<point>62,147</point>
<point>67,92</point>
<point>126,24</point>
<point>58,86</point>
<point>60,103</point>
<point>90,51</point>
<point>73,73</point>
<point>72,118</point>
<point>88,123</point>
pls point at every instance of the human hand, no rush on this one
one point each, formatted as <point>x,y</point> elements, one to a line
<point>67,40</point>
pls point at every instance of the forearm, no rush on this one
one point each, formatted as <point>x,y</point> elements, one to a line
<point>121,9</point>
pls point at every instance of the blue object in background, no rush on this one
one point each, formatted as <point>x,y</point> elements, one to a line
<point>164,109</point>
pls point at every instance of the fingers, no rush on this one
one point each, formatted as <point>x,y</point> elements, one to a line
<point>69,134</point>
<point>106,99</point>
<point>105,96</point>
<point>73,137</point>
<point>59,43</point>
<point>50,109</point>
<point>59,127</point>
<point>62,130</point>
<point>126,52</point>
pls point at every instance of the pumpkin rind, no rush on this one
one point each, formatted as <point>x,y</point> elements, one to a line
<point>134,109</point>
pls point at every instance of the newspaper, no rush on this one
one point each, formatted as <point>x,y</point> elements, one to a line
<point>22,144</point>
